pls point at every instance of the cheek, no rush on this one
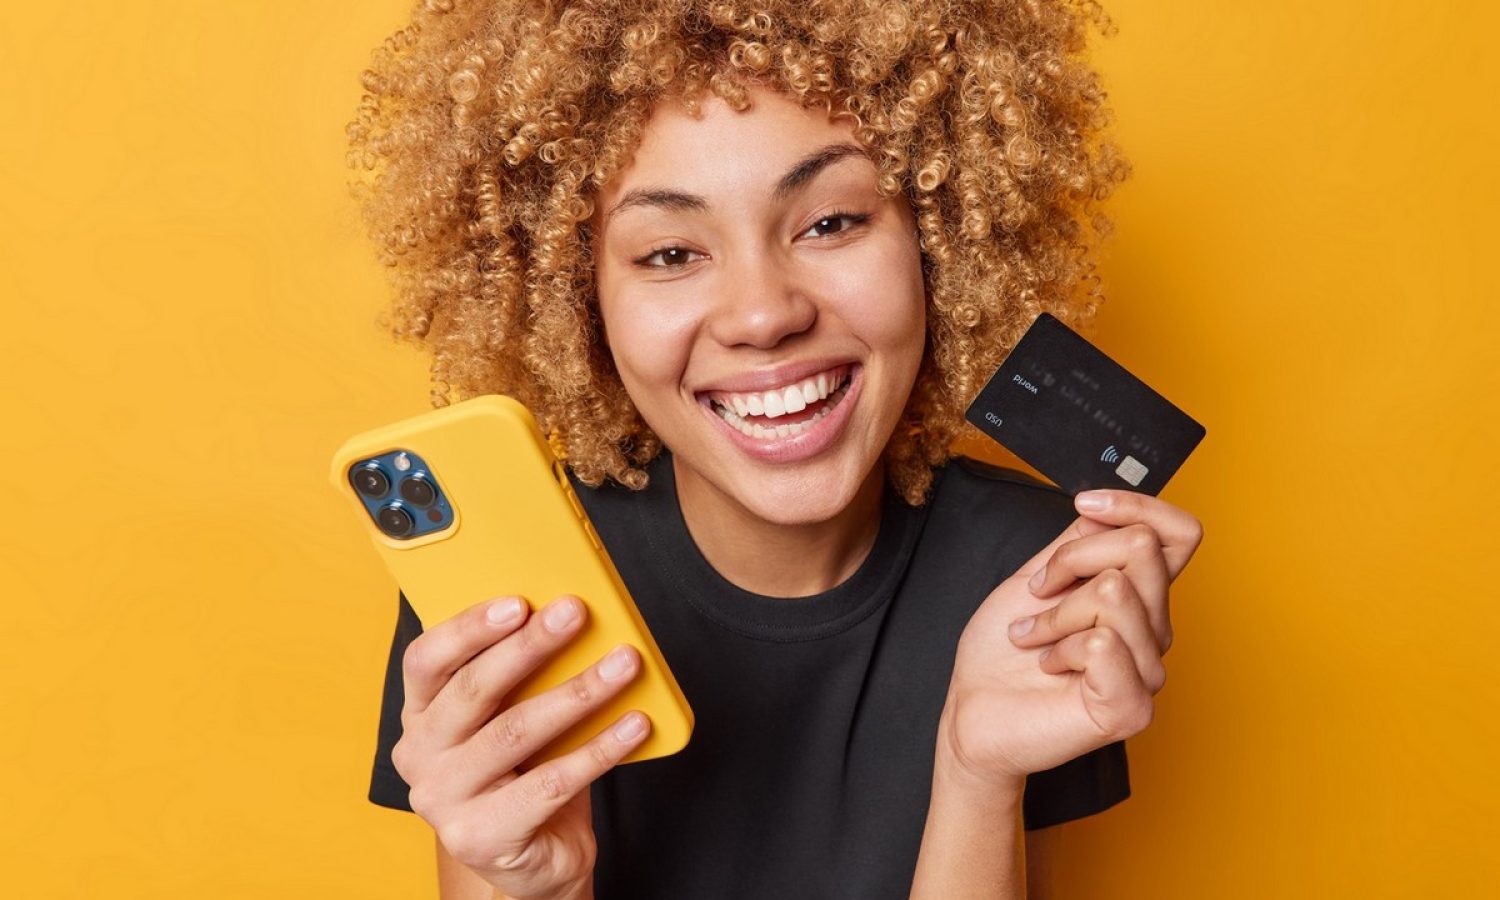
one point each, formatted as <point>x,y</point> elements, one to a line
<point>886,306</point>
<point>650,341</point>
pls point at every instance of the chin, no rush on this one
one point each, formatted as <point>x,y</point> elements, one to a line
<point>800,495</point>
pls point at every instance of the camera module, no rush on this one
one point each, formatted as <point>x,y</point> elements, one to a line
<point>395,521</point>
<point>418,491</point>
<point>370,481</point>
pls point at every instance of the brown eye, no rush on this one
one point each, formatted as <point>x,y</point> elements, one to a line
<point>834,224</point>
<point>671,258</point>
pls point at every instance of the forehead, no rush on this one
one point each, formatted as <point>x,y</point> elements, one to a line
<point>725,152</point>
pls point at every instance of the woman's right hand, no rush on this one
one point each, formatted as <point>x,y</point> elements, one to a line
<point>529,834</point>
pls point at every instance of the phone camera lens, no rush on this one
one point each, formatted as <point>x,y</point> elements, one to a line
<point>394,521</point>
<point>370,481</point>
<point>418,491</point>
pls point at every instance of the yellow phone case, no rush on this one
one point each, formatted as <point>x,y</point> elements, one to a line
<point>519,529</point>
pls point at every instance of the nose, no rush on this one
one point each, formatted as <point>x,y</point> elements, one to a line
<point>762,302</point>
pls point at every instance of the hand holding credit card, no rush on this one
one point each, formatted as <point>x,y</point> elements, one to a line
<point>1079,418</point>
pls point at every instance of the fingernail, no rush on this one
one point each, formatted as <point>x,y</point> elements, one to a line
<point>561,614</point>
<point>631,728</point>
<point>1093,501</point>
<point>1022,627</point>
<point>1037,578</point>
<point>615,664</point>
<point>504,612</point>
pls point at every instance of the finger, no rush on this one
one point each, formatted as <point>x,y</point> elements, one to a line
<point>1180,532</point>
<point>1080,527</point>
<point>1113,695</point>
<point>1110,600</point>
<point>475,692</point>
<point>519,732</point>
<point>438,652</point>
<point>1134,550</point>
<point>534,798</point>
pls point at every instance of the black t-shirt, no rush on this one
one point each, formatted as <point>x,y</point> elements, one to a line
<point>809,770</point>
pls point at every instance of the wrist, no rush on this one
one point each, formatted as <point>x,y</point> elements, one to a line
<point>583,890</point>
<point>957,769</point>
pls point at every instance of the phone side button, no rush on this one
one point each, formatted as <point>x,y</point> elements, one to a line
<point>573,501</point>
<point>593,535</point>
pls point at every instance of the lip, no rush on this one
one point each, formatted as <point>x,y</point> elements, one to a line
<point>794,447</point>
<point>773,377</point>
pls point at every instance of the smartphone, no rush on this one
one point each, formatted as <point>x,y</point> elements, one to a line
<point>467,503</point>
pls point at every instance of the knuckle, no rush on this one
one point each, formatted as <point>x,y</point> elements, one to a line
<point>535,642</point>
<point>1157,679</point>
<point>464,842</point>
<point>1166,641</point>
<point>1143,539</point>
<point>1145,712</point>
<point>466,684</point>
<point>1101,641</point>
<point>599,755</point>
<point>1062,557</point>
<point>417,661</point>
<point>509,730</point>
<point>1048,622</point>
<point>581,690</point>
<point>419,798</point>
<point>400,754</point>
<point>1194,531</point>
<point>550,784</point>
<point>1112,587</point>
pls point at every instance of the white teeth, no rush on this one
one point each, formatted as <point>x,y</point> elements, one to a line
<point>760,432</point>
<point>790,399</point>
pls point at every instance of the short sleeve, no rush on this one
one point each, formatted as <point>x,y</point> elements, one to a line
<point>387,788</point>
<point>1080,787</point>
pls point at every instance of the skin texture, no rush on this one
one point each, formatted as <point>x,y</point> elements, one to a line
<point>694,298</point>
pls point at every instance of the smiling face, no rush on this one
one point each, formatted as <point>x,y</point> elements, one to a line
<point>763,303</point>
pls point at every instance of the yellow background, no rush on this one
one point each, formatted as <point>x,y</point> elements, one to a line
<point>195,630</point>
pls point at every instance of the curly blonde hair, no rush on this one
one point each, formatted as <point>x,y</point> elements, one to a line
<point>487,127</point>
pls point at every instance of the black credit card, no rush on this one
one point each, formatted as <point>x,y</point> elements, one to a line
<point>1079,418</point>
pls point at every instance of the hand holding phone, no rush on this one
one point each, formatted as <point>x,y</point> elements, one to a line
<point>528,834</point>
<point>507,718</point>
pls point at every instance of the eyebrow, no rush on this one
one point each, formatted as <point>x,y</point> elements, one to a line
<point>796,178</point>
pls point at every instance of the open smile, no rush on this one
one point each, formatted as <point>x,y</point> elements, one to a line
<point>783,411</point>
<point>791,421</point>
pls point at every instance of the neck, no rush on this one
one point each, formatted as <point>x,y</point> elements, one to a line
<point>809,558</point>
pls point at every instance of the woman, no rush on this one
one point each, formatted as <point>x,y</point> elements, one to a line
<point>748,265</point>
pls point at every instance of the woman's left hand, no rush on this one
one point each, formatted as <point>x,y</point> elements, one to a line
<point>1065,655</point>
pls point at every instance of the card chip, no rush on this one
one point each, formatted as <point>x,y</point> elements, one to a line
<point>1132,471</point>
